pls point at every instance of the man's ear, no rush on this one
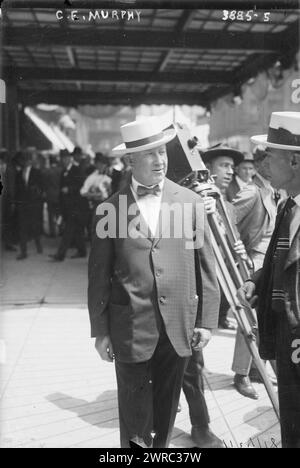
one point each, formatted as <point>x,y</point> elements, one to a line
<point>129,159</point>
<point>295,160</point>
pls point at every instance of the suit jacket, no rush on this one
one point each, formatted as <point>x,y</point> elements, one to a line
<point>32,192</point>
<point>71,202</point>
<point>233,190</point>
<point>133,280</point>
<point>290,280</point>
<point>254,209</point>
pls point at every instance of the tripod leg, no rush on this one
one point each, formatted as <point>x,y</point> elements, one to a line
<point>229,290</point>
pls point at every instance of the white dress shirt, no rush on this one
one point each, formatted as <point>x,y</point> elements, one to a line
<point>240,182</point>
<point>297,199</point>
<point>97,183</point>
<point>26,174</point>
<point>149,205</point>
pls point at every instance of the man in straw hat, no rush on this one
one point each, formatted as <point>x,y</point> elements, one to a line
<point>277,283</point>
<point>152,296</point>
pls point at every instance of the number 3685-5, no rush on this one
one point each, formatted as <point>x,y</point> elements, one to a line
<point>234,15</point>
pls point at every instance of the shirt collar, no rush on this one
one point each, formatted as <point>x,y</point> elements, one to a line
<point>135,184</point>
<point>240,182</point>
<point>297,199</point>
<point>265,182</point>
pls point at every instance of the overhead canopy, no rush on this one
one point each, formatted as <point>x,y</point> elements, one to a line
<point>161,56</point>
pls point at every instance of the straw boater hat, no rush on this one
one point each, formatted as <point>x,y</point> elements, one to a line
<point>142,135</point>
<point>283,133</point>
<point>222,150</point>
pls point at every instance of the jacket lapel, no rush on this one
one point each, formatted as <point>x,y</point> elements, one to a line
<point>166,223</point>
<point>294,252</point>
<point>266,197</point>
<point>130,212</point>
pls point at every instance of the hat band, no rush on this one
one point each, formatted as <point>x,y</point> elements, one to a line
<point>144,141</point>
<point>281,136</point>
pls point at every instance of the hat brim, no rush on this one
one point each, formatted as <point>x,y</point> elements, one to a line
<point>122,149</point>
<point>263,140</point>
<point>218,152</point>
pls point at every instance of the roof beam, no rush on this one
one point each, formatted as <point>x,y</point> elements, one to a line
<point>75,98</point>
<point>194,77</point>
<point>158,40</point>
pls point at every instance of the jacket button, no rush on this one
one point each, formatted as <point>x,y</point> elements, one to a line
<point>196,296</point>
<point>153,250</point>
<point>157,273</point>
<point>162,300</point>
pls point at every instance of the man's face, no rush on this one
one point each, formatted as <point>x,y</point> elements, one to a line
<point>281,173</point>
<point>78,157</point>
<point>149,167</point>
<point>100,166</point>
<point>245,170</point>
<point>262,167</point>
<point>66,161</point>
<point>222,167</point>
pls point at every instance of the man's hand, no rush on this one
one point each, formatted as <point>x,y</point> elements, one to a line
<point>104,347</point>
<point>246,294</point>
<point>239,249</point>
<point>209,204</point>
<point>201,337</point>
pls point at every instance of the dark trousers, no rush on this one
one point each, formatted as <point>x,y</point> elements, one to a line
<point>288,373</point>
<point>30,226</point>
<point>193,388</point>
<point>224,306</point>
<point>148,395</point>
<point>53,212</point>
<point>73,233</point>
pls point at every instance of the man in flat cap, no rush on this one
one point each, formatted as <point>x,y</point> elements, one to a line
<point>153,293</point>
<point>277,283</point>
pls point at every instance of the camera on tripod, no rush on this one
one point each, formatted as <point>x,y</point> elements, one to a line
<point>185,166</point>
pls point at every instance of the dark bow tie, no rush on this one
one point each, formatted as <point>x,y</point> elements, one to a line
<point>290,203</point>
<point>142,191</point>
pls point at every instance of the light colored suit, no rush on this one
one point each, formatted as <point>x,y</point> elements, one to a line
<point>255,209</point>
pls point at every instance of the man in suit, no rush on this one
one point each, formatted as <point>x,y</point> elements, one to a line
<point>153,294</point>
<point>276,285</point>
<point>244,172</point>
<point>7,175</point>
<point>51,178</point>
<point>72,207</point>
<point>255,207</point>
<point>29,204</point>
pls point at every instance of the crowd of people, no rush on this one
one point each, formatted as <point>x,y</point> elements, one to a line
<point>54,196</point>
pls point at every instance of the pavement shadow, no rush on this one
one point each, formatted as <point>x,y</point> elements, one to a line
<point>102,412</point>
<point>266,437</point>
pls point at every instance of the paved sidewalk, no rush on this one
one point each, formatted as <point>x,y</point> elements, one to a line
<point>55,390</point>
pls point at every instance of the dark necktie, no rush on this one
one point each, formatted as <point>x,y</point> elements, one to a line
<point>142,191</point>
<point>280,256</point>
